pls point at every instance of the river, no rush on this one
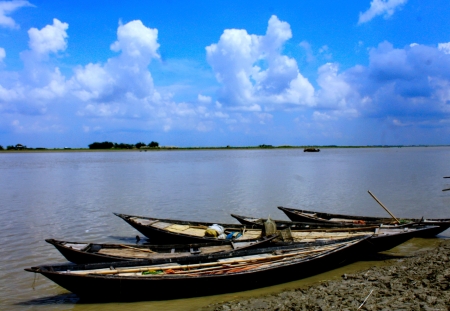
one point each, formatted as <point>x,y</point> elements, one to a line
<point>72,196</point>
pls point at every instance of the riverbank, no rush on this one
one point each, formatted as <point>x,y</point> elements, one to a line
<point>172,148</point>
<point>419,282</point>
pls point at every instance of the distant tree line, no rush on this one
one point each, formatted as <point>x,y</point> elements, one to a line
<point>110,145</point>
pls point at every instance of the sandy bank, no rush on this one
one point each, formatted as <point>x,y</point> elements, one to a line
<point>420,282</point>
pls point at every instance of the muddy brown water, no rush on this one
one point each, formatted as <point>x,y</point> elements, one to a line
<point>72,196</point>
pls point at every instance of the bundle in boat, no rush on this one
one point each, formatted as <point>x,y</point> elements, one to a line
<point>131,280</point>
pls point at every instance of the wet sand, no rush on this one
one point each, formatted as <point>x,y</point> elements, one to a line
<point>416,281</point>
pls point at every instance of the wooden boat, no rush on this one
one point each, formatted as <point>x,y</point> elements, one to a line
<point>170,231</point>
<point>311,150</point>
<point>298,215</point>
<point>86,252</point>
<point>192,232</point>
<point>253,222</point>
<point>131,280</point>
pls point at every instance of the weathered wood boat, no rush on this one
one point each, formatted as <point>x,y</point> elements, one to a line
<point>86,252</point>
<point>131,280</point>
<point>186,232</point>
<point>254,222</point>
<point>170,231</point>
<point>298,215</point>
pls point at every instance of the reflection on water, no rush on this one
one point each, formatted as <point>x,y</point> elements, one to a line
<point>72,195</point>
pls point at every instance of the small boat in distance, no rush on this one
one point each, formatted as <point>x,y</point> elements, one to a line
<point>311,150</point>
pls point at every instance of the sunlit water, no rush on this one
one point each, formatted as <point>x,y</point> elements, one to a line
<point>72,195</point>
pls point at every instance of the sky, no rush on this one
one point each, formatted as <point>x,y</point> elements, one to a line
<point>217,73</point>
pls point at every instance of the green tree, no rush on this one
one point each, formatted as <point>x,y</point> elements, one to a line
<point>153,144</point>
<point>103,145</point>
<point>139,145</point>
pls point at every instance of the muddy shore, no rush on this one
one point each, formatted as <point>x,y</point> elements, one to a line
<point>419,282</point>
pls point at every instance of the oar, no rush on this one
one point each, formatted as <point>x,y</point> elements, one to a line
<point>385,208</point>
<point>446,189</point>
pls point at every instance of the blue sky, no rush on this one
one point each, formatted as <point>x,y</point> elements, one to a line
<point>217,73</point>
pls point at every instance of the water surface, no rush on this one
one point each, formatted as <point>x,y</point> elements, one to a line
<point>72,195</point>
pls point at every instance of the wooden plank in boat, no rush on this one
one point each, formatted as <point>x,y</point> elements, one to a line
<point>214,249</point>
<point>143,221</point>
<point>194,231</point>
<point>177,228</point>
<point>250,235</point>
<point>342,220</point>
<point>124,253</point>
<point>161,225</point>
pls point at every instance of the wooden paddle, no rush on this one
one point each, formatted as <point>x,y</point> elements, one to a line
<point>385,208</point>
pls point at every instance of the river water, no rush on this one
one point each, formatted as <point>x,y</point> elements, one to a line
<point>72,196</point>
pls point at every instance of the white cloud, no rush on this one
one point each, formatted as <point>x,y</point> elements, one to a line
<point>408,85</point>
<point>444,47</point>
<point>254,73</point>
<point>334,92</point>
<point>309,53</point>
<point>204,99</point>
<point>124,78</point>
<point>380,7</point>
<point>8,7</point>
<point>136,41</point>
<point>2,54</point>
<point>50,39</point>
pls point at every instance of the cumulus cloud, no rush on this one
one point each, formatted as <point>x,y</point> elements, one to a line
<point>253,72</point>
<point>50,39</point>
<point>31,91</point>
<point>124,78</point>
<point>8,7</point>
<point>407,84</point>
<point>380,7</point>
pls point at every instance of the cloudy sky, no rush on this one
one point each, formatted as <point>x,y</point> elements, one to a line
<point>217,73</point>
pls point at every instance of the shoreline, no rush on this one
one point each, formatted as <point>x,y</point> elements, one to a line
<point>417,282</point>
<point>44,150</point>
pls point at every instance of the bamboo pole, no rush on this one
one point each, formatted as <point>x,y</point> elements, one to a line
<point>137,248</point>
<point>385,208</point>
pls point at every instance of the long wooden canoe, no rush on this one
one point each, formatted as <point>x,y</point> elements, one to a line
<point>298,215</point>
<point>384,238</point>
<point>254,222</point>
<point>131,280</point>
<point>87,252</point>
<point>171,231</point>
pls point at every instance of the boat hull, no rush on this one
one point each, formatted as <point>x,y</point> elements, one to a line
<point>297,215</point>
<point>122,288</point>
